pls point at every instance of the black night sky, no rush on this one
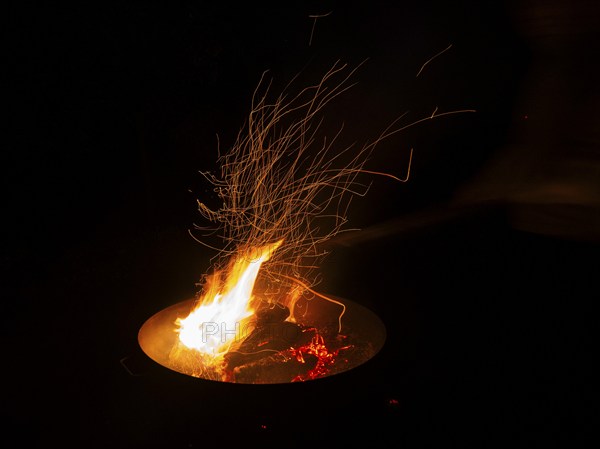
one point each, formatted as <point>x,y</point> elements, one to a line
<point>478,265</point>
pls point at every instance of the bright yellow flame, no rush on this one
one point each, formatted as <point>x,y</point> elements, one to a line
<point>222,314</point>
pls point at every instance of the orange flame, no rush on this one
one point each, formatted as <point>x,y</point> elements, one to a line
<point>222,314</point>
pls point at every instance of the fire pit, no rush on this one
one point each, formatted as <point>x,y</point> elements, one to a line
<point>274,348</point>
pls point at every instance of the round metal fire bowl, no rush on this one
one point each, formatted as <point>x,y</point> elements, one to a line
<point>362,331</point>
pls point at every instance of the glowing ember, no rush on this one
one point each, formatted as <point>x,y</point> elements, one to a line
<point>325,357</point>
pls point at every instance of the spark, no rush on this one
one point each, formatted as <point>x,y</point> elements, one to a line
<point>405,179</point>
<point>432,58</point>
<point>312,31</point>
<point>322,296</point>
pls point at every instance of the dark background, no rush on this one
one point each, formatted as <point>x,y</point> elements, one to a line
<point>113,110</point>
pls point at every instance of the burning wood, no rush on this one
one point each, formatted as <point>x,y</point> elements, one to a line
<point>289,351</point>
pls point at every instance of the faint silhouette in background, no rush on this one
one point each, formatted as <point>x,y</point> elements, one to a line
<point>547,176</point>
